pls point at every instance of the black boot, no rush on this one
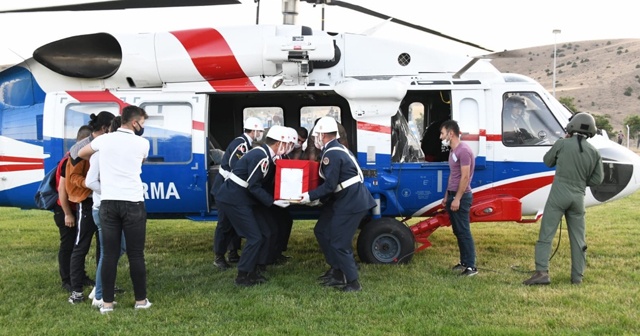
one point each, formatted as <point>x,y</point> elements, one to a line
<point>234,257</point>
<point>327,275</point>
<point>338,279</point>
<point>352,286</point>
<point>244,279</point>
<point>221,263</point>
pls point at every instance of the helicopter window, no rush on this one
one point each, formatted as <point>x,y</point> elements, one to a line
<point>77,115</point>
<point>309,114</point>
<point>168,130</point>
<point>269,115</point>
<point>527,121</point>
<point>405,147</point>
<point>416,119</point>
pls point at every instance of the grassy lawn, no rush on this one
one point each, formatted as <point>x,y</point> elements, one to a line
<point>423,297</point>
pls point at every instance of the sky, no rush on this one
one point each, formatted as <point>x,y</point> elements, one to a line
<point>493,24</point>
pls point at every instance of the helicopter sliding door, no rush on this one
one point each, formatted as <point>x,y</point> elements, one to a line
<point>174,174</point>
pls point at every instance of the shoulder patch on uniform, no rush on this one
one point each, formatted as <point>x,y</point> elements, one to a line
<point>264,166</point>
<point>325,161</point>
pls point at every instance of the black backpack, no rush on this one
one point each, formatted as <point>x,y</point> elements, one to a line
<point>47,194</point>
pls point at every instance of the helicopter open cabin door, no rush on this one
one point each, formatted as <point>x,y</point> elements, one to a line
<point>174,175</point>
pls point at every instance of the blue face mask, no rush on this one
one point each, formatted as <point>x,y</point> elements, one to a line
<point>138,132</point>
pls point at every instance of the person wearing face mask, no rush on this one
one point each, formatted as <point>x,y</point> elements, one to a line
<point>225,238</point>
<point>345,202</point>
<point>282,222</point>
<point>77,192</point>
<point>242,193</point>
<point>122,206</point>
<point>458,197</point>
<point>302,135</point>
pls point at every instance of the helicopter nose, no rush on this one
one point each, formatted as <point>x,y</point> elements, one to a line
<point>621,173</point>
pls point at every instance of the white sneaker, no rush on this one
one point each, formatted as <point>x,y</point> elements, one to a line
<point>106,310</point>
<point>92,295</point>
<point>97,303</point>
<point>145,305</point>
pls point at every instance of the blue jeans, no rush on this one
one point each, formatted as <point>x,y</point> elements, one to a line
<point>460,223</point>
<point>123,250</point>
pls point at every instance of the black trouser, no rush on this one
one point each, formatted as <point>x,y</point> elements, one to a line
<point>131,218</point>
<point>86,230</point>
<point>224,236</point>
<point>67,240</point>
<point>243,219</point>
<point>283,232</point>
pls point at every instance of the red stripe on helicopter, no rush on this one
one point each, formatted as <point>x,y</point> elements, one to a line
<point>197,125</point>
<point>517,189</point>
<point>364,126</point>
<point>97,96</point>
<point>21,167</point>
<point>214,59</point>
<point>19,159</point>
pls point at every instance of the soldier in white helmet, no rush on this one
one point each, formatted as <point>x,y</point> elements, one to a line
<point>242,193</point>
<point>346,200</point>
<point>224,236</point>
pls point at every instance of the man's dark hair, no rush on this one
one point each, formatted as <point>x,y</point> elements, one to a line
<point>302,132</point>
<point>115,124</point>
<point>101,121</point>
<point>451,125</point>
<point>133,112</point>
<point>269,141</point>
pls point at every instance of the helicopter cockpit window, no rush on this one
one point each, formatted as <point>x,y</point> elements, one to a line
<point>527,121</point>
<point>168,130</point>
<point>405,146</point>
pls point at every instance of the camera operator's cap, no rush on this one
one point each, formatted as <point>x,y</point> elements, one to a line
<point>326,125</point>
<point>253,123</point>
<point>278,133</point>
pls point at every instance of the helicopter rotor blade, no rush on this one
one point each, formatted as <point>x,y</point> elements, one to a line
<point>367,11</point>
<point>124,4</point>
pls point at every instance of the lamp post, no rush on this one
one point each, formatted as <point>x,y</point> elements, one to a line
<point>555,54</point>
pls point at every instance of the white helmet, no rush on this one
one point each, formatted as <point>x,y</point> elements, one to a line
<point>293,135</point>
<point>278,133</point>
<point>253,123</point>
<point>326,125</point>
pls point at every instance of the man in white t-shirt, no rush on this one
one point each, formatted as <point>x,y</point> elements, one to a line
<point>122,208</point>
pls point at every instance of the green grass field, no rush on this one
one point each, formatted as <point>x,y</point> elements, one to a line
<point>424,297</point>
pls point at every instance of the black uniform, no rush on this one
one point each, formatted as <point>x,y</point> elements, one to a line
<point>225,236</point>
<point>346,201</point>
<point>239,195</point>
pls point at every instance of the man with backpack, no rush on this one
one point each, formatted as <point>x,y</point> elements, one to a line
<point>63,216</point>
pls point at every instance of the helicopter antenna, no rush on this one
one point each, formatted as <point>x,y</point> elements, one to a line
<point>257,11</point>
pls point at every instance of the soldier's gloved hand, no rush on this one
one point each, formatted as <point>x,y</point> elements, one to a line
<point>315,203</point>
<point>305,198</point>
<point>281,203</point>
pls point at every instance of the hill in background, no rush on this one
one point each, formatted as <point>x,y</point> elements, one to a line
<point>602,76</point>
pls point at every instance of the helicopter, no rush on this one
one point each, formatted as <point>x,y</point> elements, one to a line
<point>199,85</point>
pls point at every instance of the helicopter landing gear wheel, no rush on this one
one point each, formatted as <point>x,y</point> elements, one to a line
<point>385,241</point>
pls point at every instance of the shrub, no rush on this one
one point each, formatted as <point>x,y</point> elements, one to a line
<point>627,91</point>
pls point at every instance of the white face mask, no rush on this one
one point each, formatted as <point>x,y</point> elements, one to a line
<point>318,141</point>
<point>296,145</point>
<point>446,142</point>
<point>282,149</point>
<point>258,135</point>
